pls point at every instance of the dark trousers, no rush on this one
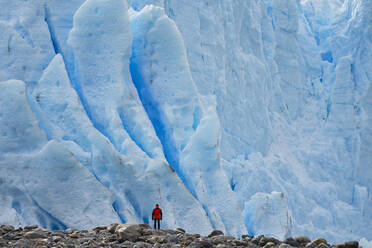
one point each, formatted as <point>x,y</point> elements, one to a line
<point>158,221</point>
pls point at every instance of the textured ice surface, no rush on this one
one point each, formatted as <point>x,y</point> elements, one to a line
<point>268,214</point>
<point>246,116</point>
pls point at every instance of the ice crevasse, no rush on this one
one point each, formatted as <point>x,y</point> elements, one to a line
<point>245,116</point>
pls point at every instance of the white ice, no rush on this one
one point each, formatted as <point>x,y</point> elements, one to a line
<point>214,109</point>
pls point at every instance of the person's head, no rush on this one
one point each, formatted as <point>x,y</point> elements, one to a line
<point>157,205</point>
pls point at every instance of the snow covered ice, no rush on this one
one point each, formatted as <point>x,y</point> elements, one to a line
<point>245,116</point>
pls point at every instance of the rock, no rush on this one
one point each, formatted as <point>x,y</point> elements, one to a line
<point>56,239</point>
<point>339,245</point>
<point>35,234</point>
<point>284,246</point>
<point>322,245</point>
<point>172,238</point>
<point>129,232</point>
<point>311,245</point>
<point>256,240</point>
<point>27,228</point>
<point>269,244</point>
<point>7,228</point>
<point>215,233</point>
<point>111,228</point>
<point>302,239</point>
<point>241,242</point>
<point>144,226</point>
<point>194,245</point>
<point>59,233</point>
<point>264,240</point>
<point>222,246</point>
<point>148,232</point>
<point>320,241</point>
<point>246,237</point>
<point>291,242</point>
<point>206,243</point>
<point>180,230</point>
<point>99,228</point>
<point>75,235</point>
<point>352,244</point>
<point>141,245</point>
<point>22,243</point>
<point>221,239</point>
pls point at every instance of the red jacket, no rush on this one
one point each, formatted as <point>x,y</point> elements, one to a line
<point>156,213</point>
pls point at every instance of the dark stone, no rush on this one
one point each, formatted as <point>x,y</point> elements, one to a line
<point>180,230</point>
<point>340,245</point>
<point>269,244</point>
<point>320,241</point>
<point>352,244</point>
<point>111,228</point>
<point>35,234</point>
<point>22,244</point>
<point>194,245</point>
<point>311,245</point>
<point>264,240</point>
<point>206,243</point>
<point>7,228</point>
<point>99,228</point>
<point>145,226</point>
<point>9,236</point>
<point>256,240</point>
<point>172,238</point>
<point>28,228</point>
<point>302,239</point>
<point>215,233</point>
<point>241,243</point>
<point>246,237</point>
<point>291,242</point>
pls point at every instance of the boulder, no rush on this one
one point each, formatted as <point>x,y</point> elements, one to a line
<point>37,233</point>
<point>145,226</point>
<point>7,228</point>
<point>311,245</point>
<point>302,239</point>
<point>215,233</point>
<point>256,240</point>
<point>284,246</point>
<point>111,228</point>
<point>340,245</point>
<point>28,228</point>
<point>291,242</point>
<point>172,238</point>
<point>99,228</point>
<point>269,244</point>
<point>246,237</point>
<point>322,245</point>
<point>320,241</point>
<point>129,232</point>
<point>222,246</point>
<point>180,230</point>
<point>206,243</point>
<point>264,240</point>
<point>352,244</point>
<point>194,245</point>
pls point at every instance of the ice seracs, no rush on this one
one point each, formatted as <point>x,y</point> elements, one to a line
<point>216,110</point>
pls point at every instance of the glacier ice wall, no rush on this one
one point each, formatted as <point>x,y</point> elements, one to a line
<point>245,116</point>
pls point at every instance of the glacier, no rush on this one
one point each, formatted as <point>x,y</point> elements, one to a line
<point>244,116</point>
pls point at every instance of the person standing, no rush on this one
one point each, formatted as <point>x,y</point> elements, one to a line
<point>157,215</point>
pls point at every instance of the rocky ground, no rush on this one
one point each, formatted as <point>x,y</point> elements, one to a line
<point>143,236</point>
